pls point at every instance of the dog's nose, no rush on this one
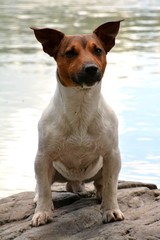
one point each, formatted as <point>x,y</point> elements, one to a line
<point>89,75</point>
<point>91,69</point>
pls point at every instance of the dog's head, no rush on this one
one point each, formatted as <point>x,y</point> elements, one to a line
<point>81,59</point>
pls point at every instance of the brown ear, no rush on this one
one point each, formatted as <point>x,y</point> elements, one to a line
<point>49,38</point>
<point>107,33</point>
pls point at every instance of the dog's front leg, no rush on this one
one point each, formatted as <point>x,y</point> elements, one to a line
<point>111,168</point>
<point>44,175</point>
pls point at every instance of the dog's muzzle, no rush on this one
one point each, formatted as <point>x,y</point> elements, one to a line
<point>89,75</point>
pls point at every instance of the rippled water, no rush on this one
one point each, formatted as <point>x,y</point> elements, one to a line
<point>131,83</point>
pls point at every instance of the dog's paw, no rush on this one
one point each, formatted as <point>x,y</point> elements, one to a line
<point>112,215</point>
<point>41,218</point>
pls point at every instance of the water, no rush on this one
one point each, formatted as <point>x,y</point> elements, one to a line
<point>131,83</point>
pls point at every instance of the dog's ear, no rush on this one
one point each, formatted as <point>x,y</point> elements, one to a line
<point>49,38</point>
<point>107,33</point>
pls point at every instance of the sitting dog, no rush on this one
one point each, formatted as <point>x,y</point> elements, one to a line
<point>78,131</point>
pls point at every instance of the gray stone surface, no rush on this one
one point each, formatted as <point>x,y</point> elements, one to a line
<point>78,216</point>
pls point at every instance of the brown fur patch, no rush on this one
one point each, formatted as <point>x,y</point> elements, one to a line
<point>84,48</point>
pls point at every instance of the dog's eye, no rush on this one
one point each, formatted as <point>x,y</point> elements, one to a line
<point>71,53</point>
<point>98,51</point>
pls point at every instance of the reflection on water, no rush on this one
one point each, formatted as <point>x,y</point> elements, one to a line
<point>131,83</point>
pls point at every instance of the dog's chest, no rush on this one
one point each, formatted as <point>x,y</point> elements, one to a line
<point>77,157</point>
<point>76,133</point>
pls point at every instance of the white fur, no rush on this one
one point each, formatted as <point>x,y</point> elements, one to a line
<point>78,133</point>
<point>78,126</point>
<point>82,174</point>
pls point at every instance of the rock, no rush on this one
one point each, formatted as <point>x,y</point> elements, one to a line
<point>129,184</point>
<point>78,216</point>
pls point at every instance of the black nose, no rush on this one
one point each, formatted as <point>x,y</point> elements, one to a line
<point>91,69</point>
<point>89,75</point>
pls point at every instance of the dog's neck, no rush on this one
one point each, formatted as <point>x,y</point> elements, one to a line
<point>79,104</point>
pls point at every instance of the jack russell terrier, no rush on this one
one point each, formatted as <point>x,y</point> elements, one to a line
<point>78,131</point>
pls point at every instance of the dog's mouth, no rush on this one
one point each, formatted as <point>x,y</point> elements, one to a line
<point>88,76</point>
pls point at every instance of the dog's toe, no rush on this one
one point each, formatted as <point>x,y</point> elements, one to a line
<point>112,216</point>
<point>41,218</point>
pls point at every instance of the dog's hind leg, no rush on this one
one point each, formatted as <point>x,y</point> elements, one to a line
<point>99,188</point>
<point>98,184</point>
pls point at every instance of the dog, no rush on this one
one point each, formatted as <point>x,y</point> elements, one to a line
<point>78,131</point>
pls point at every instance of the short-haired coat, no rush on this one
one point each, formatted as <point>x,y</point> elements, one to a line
<point>78,131</point>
